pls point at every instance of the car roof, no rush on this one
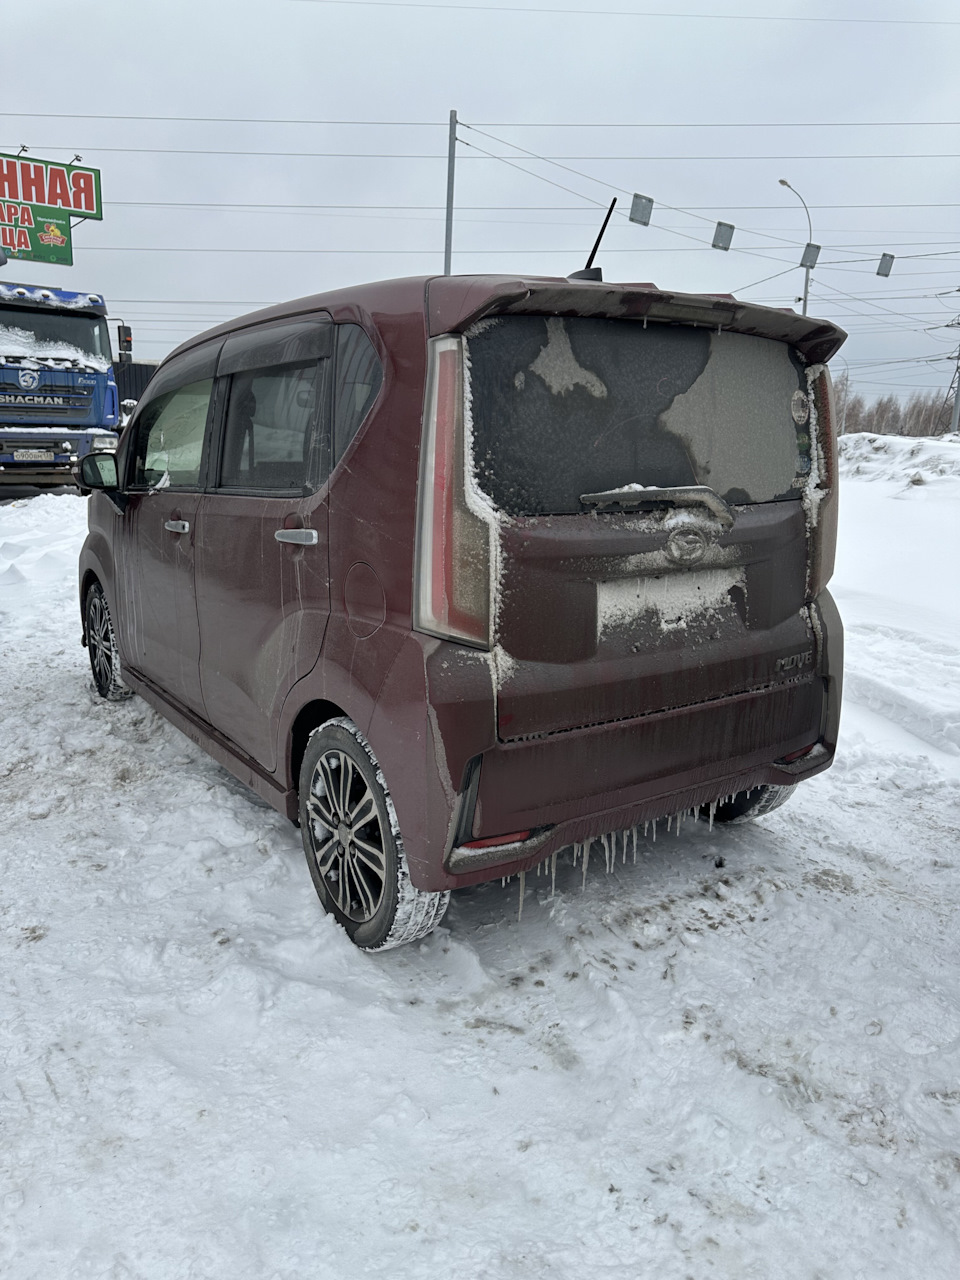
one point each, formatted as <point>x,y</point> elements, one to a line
<point>451,304</point>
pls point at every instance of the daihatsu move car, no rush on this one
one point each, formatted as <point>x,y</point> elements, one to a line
<point>456,572</point>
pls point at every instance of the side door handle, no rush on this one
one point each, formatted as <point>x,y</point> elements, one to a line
<point>301,537</point>
<point>177,526</point>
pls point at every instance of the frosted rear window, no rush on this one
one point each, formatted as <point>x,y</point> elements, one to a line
<point>562,407</point>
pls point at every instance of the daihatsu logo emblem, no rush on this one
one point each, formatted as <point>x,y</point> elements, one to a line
<point>29,379</point>
<point>686,546</point>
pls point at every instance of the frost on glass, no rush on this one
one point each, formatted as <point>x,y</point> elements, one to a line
<point>170,440</point>
<point>562,407</point>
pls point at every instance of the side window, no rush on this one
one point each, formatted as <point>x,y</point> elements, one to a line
<point>164,448</point>
<point>270,437</point>
<point>358,381</point>
<point>169,444</point>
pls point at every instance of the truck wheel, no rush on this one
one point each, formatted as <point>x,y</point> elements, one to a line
<point>353,845</point>
<point>746,805</point>
<point>102,647</point>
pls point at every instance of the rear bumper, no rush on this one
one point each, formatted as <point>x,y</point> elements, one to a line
<point>611,787</point>
<point>575,785</point>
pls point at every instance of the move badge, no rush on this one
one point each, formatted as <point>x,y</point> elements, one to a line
<point>38,198</point>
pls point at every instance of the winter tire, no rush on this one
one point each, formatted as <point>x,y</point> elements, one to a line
<point>102,647</point>
<point>353,846</point>
<point>746,805</point>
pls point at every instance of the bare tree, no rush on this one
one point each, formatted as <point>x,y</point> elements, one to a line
<point>925,413</point>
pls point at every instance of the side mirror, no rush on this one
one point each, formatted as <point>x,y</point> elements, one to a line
<point>98,471</point>
<point>124,344</point>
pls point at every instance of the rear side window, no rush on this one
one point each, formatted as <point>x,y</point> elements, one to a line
<point>358,381</point>
<point>270,436</point>
<point>562,407</point>
<point>169,447</point>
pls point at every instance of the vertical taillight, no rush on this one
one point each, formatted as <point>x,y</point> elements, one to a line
<point>821,503</point>
<point>453,582</point>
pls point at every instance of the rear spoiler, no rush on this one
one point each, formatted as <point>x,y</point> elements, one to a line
<point>454,303</point>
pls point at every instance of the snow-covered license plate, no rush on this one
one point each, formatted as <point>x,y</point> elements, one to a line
<point>33,455</point>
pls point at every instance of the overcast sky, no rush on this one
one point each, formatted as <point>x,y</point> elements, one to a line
<point>702,105</point>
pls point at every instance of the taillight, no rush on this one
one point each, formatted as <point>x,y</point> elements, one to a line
<point>454,535</point>
<point>821,498</point>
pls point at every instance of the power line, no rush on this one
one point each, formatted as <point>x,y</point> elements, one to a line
<point>586,177</point>
<point>624,13</point>
<point>493,208</point>
<point>407,155</point>
<point>261,302</point>
<point>563,251</point>
<point>500,124</point>
<point>398,213</point>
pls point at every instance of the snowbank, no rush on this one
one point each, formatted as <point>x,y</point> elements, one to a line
<point>685,1069</point>
<point>910,460</point>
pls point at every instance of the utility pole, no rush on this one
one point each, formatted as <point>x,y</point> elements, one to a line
<point>955,416</point>
<point>451,163</point>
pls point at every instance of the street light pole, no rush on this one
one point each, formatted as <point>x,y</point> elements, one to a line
<point>806,280</point>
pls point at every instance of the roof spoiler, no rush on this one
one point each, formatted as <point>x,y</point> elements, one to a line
<point>457,302</point>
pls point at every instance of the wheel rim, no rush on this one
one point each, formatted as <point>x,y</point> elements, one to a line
<point>99,640</point>
<point>347,836</point>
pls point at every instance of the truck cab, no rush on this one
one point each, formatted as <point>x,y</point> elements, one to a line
<point>58,394</point>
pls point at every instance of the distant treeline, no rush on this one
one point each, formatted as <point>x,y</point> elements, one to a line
<point>926,413</point>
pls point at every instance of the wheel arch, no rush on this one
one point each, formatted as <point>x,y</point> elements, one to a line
<point>90,576</point>
<point>310,716</point>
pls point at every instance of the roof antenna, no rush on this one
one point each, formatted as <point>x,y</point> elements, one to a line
<point>590,272</point>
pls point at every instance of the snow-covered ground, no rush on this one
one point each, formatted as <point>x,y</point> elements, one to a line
<point>746,1071</point>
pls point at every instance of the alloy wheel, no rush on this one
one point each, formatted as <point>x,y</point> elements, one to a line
<point>100,640</point>
<point>347,838</point>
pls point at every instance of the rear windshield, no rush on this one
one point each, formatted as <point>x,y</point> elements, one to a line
<point>562,407</point>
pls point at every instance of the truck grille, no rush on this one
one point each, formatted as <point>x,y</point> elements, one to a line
<point>44,404</point>
<point>9,442</point>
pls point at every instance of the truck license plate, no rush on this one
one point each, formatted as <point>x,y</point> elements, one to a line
<point>33,455</point>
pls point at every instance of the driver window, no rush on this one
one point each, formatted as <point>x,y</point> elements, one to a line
<point>169,447</point>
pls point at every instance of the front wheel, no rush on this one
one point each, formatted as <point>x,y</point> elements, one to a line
<point>746,805</point>
<point>353,845</point>
<point>102,647</point>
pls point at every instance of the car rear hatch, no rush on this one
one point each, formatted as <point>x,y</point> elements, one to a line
<point>652,486</point>
<point>653,550</point>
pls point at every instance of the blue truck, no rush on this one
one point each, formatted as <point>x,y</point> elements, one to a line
<point>58,393</point>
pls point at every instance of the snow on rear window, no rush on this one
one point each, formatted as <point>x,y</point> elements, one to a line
<point>562,407</point>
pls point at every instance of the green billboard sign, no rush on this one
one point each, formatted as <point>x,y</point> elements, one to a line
<point>38,198</point>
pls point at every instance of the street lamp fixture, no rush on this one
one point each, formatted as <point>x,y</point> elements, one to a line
<point>811,251</point>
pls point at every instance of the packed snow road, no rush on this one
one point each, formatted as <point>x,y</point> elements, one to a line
<point>739,1057</point>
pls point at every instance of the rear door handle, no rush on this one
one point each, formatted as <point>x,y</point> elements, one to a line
<point>177,526</point>
<point>301,537</point>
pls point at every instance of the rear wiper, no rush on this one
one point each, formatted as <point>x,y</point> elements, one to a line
<point>634,497</point>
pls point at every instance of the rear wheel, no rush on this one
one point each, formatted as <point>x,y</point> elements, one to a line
<point>102,647</point>
<point>746,805</point>
<point>353,845</point>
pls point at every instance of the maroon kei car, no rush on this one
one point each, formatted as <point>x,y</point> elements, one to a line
<point>458,571</point>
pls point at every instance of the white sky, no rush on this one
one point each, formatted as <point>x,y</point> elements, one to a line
<point>703,112</point>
